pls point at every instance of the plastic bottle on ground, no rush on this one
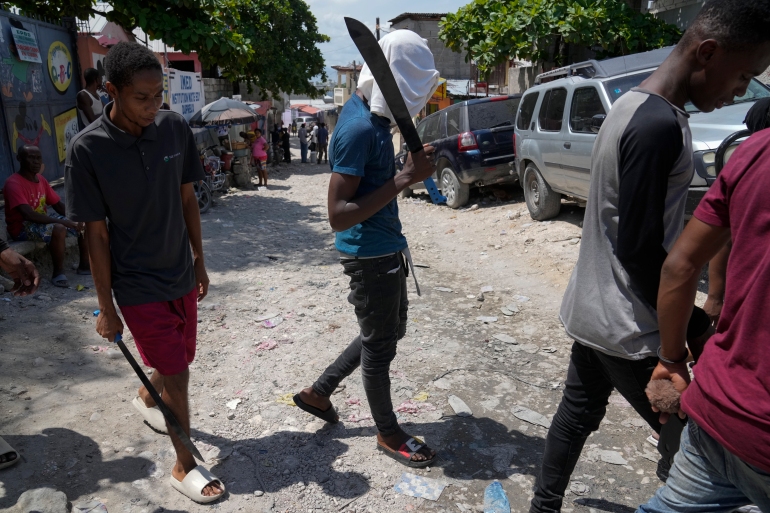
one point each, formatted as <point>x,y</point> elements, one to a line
<point>495,499</point>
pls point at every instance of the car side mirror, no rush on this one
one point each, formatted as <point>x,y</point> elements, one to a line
<point>597,121</point>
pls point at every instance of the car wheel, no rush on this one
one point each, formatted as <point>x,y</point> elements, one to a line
<point>203,194</point>
<point>456,192</point>
<point>543,203</point>
<point>407,193</point>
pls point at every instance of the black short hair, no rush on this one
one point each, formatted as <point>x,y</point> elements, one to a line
<point>126,59</point>
<point>24,150</point>
<point>91,75</point>
<point>734,24</point>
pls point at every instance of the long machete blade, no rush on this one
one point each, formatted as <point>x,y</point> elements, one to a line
<point>175,426</point>
<point>372,53</point>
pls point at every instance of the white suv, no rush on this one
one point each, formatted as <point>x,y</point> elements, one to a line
<point>558,120</point>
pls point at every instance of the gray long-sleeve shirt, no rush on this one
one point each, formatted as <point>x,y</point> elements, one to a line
<point>640,173</point>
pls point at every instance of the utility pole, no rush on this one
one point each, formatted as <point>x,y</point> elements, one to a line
<point>377,29</point>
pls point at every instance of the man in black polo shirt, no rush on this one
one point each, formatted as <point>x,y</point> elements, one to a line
<point>135,166</point>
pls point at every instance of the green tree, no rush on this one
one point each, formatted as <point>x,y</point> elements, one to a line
<point>493,31</point>
<point>268,43</point>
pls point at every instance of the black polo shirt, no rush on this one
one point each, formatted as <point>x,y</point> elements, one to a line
<point>134,183</point>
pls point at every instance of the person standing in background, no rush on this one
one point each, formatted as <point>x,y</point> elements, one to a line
<point>259,157</point>
<point>89,102</point>
<point>286,143</point>
<point>303,143</point>
<point>323,143</point>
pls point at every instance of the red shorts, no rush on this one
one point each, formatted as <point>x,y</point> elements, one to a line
<point>165,332</point>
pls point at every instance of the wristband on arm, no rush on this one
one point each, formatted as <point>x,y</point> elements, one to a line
<point>672,362</point>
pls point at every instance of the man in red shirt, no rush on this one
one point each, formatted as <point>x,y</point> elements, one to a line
<point>27,198</point>
<point>724,457</point>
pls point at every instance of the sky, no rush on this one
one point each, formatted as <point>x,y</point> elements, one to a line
<point>330,13</point>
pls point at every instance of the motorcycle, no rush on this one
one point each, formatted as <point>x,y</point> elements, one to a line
<point>215,178</point>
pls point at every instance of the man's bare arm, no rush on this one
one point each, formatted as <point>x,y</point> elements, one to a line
<point>29,214</point>
<point>717,278</point>
<point>678,284</point>
<point>108,323</point>
<point>192,218</point>
<point>345,211</point>
<point>84,104</point>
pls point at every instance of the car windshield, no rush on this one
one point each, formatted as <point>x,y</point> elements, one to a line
<point>754,92</point>
<point>492,114</point>
<point>619,86</point>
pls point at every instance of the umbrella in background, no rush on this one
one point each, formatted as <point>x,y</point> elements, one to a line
<point>224,111</point>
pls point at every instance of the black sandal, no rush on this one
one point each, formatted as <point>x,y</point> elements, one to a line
<point>329,415</point>
<point>405,453</point>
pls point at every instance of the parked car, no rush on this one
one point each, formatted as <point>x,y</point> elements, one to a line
<point>558,119</point>
<point>305,119</point>
<point>474,146</point>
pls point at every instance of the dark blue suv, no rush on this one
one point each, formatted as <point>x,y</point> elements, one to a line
<point>474,146</point>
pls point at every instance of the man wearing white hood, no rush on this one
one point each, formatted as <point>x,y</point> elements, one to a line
<point>364,213</point>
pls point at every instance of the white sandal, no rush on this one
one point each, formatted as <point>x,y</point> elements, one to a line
<point>5,448</point>
<point>194,482</point>
<point>153,416</point>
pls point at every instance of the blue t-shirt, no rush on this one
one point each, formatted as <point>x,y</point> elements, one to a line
<point>361,145</point>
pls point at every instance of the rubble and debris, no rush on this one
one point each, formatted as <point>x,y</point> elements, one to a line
<point>502,337</point>
<point>420,487</point>
<point>533,417</point>
<point>460,408</point>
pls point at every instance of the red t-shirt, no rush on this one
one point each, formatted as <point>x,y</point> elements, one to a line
<point>730,396</point>
<point>20,191</point>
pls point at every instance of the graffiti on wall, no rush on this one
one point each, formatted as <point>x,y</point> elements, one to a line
<point>28,128</point>
<point>60,66</point>
<point>19,78</point>
<point>66,126</point>
<point>37,99</point>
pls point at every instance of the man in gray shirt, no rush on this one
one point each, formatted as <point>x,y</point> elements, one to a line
<point>640,173</point>
<point>303,143</point>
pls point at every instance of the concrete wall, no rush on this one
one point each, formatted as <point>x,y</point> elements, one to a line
<point>451,65</point>
<point>215,88</point>
<point>521,79</point>
<point>90,53</point>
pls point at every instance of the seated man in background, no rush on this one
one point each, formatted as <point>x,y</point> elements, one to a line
<point>27,198</point>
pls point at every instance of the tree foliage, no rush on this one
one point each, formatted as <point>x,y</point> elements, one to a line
<point>493,31</point>
<point>270,43</point>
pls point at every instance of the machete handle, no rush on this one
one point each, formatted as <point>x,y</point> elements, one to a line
<point>118,337</point>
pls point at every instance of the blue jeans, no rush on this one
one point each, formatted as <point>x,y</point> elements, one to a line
<point>303,151</point>
<point>707,478</point>
<point>378,293</point>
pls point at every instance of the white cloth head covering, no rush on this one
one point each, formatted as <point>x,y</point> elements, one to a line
<point>411,62</point>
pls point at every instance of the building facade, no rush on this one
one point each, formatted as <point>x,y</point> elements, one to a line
<point>451,65</point>
<point>676,12</point>
<point>347,82</point>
